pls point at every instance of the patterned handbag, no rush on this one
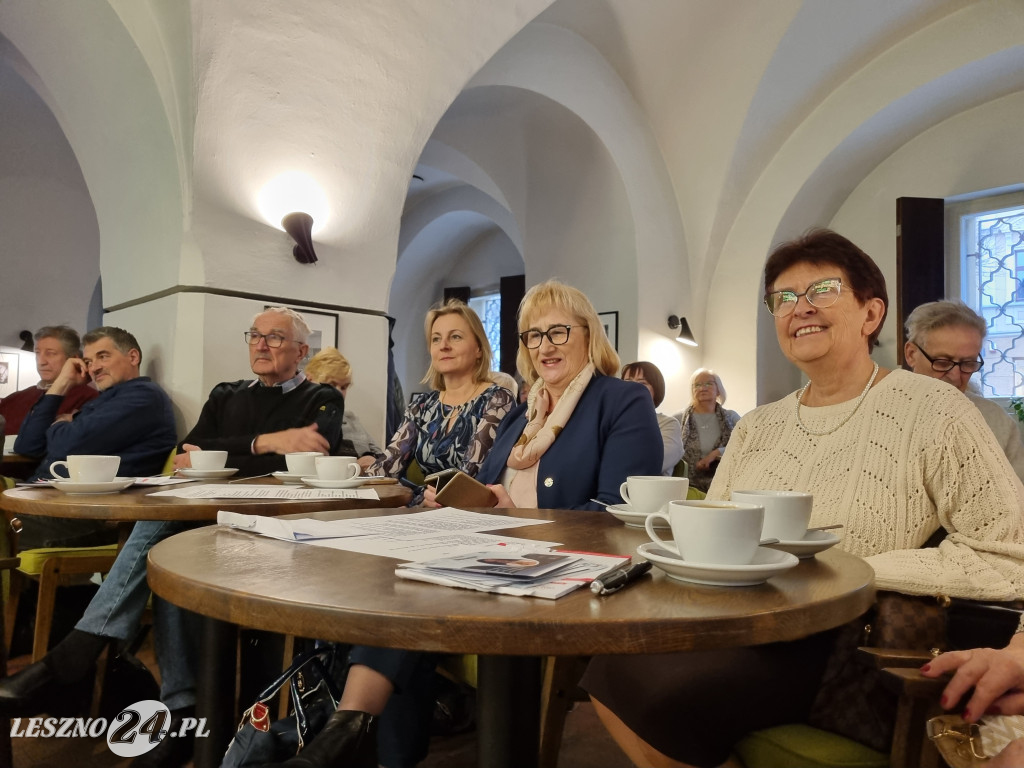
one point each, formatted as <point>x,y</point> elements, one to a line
<point>971,745</point>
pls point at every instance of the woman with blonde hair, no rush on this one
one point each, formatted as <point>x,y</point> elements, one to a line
<point>707,427</point>
<point>582,430</point>
<point>329,366</point>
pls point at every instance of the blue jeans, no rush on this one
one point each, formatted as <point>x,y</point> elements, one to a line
<point>116,612</point>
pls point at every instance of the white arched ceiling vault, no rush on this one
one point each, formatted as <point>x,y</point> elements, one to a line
<point>950,64</point>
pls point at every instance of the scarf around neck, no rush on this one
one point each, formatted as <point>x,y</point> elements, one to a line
<point>543,428</point>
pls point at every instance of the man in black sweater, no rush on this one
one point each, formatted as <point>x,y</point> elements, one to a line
<point>257,422</point>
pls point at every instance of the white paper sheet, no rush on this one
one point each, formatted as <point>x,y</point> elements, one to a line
<point>242,491</point>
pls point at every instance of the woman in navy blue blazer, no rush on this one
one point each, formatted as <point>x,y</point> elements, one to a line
<point>582,431</point>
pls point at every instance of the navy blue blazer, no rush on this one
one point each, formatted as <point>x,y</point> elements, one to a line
<point>613,433</point>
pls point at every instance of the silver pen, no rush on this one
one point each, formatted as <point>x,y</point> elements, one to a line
<point>612,582</point>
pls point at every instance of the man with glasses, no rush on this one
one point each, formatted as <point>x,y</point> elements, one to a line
<point>257,422</point>
<point>945,339</point>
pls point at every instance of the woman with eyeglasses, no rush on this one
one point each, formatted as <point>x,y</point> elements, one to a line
<point>582,431</point>
<point>707,427</point>
<point>894,457</point>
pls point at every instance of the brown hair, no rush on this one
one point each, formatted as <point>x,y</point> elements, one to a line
<point>651,375</point>
<point>553,294</point>
<point>825,247</point>
<point>455,307</point>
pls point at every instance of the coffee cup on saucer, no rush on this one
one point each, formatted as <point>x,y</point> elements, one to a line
<point>207,461</point>
<point>302,463</point>
<point>650,493</point>
<point>87,468</point>
<point>786,513</point>
<point>711,532</point>
<point>336,468</point>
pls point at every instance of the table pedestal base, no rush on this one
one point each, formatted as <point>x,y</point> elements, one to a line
<point>508,711</point>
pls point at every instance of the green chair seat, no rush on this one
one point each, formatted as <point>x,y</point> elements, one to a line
<point>801,746</point>
<point>32,560</point>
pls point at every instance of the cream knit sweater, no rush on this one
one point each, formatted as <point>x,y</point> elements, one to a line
<point>916,455</point>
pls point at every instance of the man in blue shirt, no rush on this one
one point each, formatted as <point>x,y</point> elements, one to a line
<point>131,418</point>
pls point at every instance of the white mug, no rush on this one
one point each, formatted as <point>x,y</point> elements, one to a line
<point>336,468</point>
<point>208,460</point>
<point>302,462</point>
<point>719,532</point>
<point>650,493</point>
<point>85,468</point>
<point>786,513</point>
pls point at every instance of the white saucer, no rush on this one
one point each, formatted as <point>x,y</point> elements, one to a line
<point>354,482</point>
<point>810,545</point>
<point>767,563</point>
<point>81,489</point>
<point>207,474</point>
<point>625,513</point>
<point>289,478</point>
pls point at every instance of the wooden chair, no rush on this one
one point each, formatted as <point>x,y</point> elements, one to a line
<point>785,746</point>
<point>6,755</point>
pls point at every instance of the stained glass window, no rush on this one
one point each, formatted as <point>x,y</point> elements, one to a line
<point>489,309</point>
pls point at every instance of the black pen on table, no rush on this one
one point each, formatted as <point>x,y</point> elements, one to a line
<point>612,582</point>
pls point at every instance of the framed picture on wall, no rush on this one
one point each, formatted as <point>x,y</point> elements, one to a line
<point>610,321</point>
<point>323,327</point>
<point>8,373</point>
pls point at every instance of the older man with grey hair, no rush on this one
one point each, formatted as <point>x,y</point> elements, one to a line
<point>944,342</point>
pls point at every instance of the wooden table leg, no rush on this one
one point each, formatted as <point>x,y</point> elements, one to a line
<point>215,690</point>
<point>508,711</point>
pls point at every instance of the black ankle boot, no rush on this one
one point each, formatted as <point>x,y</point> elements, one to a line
<point>29,692</point>
<point>349,739</point>
<point>172,751</point>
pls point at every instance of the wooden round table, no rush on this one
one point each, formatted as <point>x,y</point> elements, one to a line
<point>138,503</point>
<point>329,594</point>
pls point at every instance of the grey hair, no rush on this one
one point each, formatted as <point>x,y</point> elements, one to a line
<point>718,383</point>
<point>67,336</point>
<point>939,314</point>
<point>122,339</point>
<point>299,325</point>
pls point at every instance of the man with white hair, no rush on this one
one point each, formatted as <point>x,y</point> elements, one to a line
<point>944,342</point>
<point>257,422</point>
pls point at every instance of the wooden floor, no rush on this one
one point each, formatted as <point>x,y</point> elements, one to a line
<point>585,745</point>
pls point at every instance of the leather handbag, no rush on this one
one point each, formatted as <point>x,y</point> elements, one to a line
<point>315,680</point>
<point>971,745</point>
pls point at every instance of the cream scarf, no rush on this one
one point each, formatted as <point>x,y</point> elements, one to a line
<point>542,428</point>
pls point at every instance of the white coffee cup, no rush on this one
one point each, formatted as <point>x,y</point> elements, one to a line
<point>208,460</point>
<point>719,532</point>
<point>85,468</point>
<point>786,513</point>
<point>650,493</point>
<point>302,462</point>
<point>336,468</point>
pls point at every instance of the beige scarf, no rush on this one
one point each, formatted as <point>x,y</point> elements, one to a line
<point>542,428</point>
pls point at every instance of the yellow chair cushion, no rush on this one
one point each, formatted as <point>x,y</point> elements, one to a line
<point>801,746</point>
<point>461,668</point>
<point>32,559</point>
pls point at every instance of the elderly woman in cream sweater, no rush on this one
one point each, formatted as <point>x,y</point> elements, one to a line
<point>891,455</point>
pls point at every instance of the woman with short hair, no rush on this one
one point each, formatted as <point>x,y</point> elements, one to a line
<point>706,427</point>
<point>648,374</point>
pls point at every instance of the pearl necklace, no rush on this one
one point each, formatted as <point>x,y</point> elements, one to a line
<point>864,394</point>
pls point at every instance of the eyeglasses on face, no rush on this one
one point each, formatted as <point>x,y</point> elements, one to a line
<point>823,293</point>
<point>557,334</point>
<point>274,340</point>
<point>943,364</point>
<point>703,384</point>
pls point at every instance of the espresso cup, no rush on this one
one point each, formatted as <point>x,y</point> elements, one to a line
<point>650,493</point>
<point>786,513</point>
<point>208,460</point>
<point>336,468</point>
<point>302,462</point>
<point>85,468</point>
<point>712,532</point>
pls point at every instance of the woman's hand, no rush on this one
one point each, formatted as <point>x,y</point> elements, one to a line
<point>504,500</point>
<point>365,462</point>
<point>708,460</point>
<point>429,497</point>
<point>997,677</point>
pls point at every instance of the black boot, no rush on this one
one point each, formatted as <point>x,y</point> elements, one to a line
<point>54,684</point>
<point>173,751</point>
<point>29,692</point>
<point>349,739</point>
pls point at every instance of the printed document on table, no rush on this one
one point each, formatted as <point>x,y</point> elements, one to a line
<point>424,547</point>
<point>241,491</point>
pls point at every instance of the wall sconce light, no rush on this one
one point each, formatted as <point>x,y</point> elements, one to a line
<point>300,227</point>
<point>685,335</point>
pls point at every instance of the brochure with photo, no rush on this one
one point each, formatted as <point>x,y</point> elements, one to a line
<point>502,563</point>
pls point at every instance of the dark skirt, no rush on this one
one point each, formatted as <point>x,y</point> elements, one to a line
<point>695,706</point>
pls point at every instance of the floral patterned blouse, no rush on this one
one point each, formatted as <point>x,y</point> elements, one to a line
<point>424,434</point>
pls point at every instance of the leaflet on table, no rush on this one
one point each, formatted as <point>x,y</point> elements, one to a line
<point>155,480</point>
<point>429,547</point>
<point>242,491</point>
<point>582,571</point>
<point>415,524</point>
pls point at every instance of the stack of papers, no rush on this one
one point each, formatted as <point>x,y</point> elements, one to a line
<point>549,574</point>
